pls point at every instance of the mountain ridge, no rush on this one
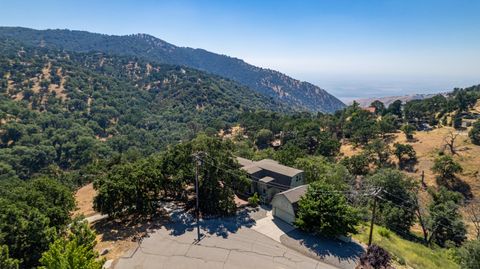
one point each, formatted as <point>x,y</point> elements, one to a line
<point>297,94</point>
<point>116,98</point>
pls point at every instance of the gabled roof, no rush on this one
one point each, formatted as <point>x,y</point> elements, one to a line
<point>274,166</point>
<point>268,170</point>
<point>252,169</point>
<point>294,195</point>
<point>244,162</point>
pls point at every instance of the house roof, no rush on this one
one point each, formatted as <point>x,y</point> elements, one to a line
<point>294,195</point>
<point>252,169</point>
<point>268,170</point>
<point>274,166</point>
<point>267,164</point>
<point>244,162</point>
<point>267,179</point>
<point>371,109</point>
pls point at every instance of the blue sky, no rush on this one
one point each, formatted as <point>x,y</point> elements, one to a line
<point>355,48</point>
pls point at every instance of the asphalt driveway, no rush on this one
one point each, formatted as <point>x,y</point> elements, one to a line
<point>227,243</point>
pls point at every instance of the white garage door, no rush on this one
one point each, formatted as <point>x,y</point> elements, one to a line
<point>283,215</point>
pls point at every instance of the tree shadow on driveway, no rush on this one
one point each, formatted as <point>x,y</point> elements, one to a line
<point>182,222</point>
<point>333,251</point>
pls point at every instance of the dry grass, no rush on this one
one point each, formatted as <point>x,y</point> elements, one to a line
<point>427,146</point>
<point>349,150</point>
<point>44,75</point>
<point>84,198</point>
<point>118,236</point>
<point>111,235</point>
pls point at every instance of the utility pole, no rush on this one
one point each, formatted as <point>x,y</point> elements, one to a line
<point>375,194</point>
<point>197,161</point>
<point>423,180</point>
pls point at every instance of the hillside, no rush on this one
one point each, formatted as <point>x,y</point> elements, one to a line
<point>297,94</point>
<point>68,108</point>
<point>427,145</point>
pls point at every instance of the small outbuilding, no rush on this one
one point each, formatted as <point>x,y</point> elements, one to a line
<point>285,204</point>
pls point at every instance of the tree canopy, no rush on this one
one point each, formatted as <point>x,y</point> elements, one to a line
<point>323,210</point>
<point>397,204</point>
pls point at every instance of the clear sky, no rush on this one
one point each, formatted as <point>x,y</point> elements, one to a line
<point>355,48</point>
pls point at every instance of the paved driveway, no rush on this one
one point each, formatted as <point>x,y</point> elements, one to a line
<point>340,254</point>
<point>271,227</point>
<point>227,243</point>
<point>335,252</point>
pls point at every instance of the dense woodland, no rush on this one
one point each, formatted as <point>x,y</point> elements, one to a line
<point>133,128</point>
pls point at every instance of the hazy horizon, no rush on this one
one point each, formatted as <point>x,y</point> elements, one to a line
<point>351,49</point>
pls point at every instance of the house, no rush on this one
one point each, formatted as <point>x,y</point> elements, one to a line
<point>269,177</point>
<point>285,204</point>
<point>276,144</point>
<point>467,123</point>
<point>371,109</point>
<point>424,127</point>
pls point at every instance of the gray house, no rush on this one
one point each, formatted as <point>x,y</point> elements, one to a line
<point>285,204</point>
<point>269,177</point>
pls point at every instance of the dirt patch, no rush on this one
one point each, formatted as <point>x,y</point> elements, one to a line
<point>115,236</point>
<point>84,198</point>
<point>240,202</point>
<point>120,236</point>
<point>348,150</point>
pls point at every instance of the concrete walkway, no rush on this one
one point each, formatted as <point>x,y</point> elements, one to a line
<point>95,218</point>
<point>271,227</point>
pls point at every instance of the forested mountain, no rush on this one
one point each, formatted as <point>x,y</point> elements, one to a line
<point>69,109</point>
<point>297,94</point>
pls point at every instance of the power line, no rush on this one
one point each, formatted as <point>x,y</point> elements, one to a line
<point>413,211</point>
<point>279,185</point>
<point>365,192</point>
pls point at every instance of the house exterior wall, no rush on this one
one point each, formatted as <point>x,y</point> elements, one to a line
<point>283,209</point>
<point>297,180</point>
<point>266,192</point>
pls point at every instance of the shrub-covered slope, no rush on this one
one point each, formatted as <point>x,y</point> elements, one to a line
<point>301,95</point>
<point>71,108</point>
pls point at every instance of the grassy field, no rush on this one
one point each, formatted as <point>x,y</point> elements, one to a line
<point>413,255</point>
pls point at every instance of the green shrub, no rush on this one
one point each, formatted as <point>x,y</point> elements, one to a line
<point>254,200</point>
<point>469,255</point>
<point>414,254</point>
<point>400,260</point>
<point>384,232</point>
<point>474,133</point>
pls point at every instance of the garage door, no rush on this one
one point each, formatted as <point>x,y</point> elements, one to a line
<point>283,215</point>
